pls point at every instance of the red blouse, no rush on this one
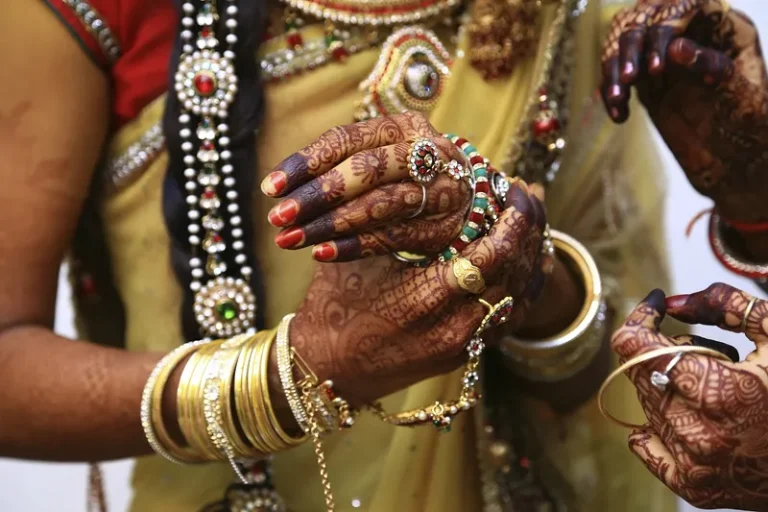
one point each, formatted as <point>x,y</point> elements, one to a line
<point>131,40</point>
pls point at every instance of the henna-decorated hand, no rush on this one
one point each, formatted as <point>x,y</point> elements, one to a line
<point>378,325</point>
<point>701,75</point>
<point>349,193</point>
<point>707,437</point>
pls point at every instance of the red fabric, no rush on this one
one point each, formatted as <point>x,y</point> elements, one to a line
<point>145,30</point>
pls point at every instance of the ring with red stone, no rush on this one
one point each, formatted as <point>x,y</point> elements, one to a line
<point>424,161</point>
<point>498,314</point>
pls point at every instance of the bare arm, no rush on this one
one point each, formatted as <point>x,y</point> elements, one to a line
<point>59,399</point>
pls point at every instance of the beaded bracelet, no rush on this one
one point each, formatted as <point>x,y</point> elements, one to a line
<point>478,177</point>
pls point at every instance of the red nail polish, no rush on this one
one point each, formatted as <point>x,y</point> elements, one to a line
<point>274,184</point>
<point>290,238</point>
<point>283,214</point>
<point>615,91</point>
<point>677,301</point>
<point>655,61</point>
<point>324,252</point>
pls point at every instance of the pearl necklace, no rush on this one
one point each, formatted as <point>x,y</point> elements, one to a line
<point>206,85</point>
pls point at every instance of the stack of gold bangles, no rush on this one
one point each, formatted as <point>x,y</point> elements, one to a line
<point>224,407</point>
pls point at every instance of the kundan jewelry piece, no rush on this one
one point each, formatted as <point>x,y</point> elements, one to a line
<point>410,75</point>
<point>424,161</point>
<point>206,85</point>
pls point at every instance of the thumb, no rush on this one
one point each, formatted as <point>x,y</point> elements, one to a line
<point>723,306</point>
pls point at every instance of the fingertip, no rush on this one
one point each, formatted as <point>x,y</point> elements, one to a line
<point>676,302</point>
<point>656,300</point>
<point>325,252</point>
<point>655,63</point>
<point>292,238</point>
<point>628,73</point>
<point>283,214</point>
<point>274,184</point>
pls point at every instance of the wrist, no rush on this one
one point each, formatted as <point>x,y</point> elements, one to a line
<point>557,307</point>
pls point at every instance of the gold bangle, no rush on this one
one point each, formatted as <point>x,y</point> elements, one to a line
<point>152,408</point>
<point>564,355</point>
<point>653,354</point>
<point>217,372</point>
<point>229,420</point>
<point>285,438</point>
<point>242,394</point>
<point>285,370</point>
<point>191,391</point>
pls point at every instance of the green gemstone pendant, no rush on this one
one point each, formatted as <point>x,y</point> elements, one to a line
<point>227,310</point>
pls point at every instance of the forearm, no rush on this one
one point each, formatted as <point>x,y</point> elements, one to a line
<point>65,400</point>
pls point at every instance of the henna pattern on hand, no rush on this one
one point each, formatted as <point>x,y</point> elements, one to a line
<point>377,325</point>
<point>707,94</point>
<point>708,435</point>
<point>371,166</point>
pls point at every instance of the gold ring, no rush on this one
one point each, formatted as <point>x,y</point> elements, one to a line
<point>469,276</point>
<point>747,312</point>
<point>653,354</point>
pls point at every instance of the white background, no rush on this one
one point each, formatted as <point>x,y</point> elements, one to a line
<point>35,487</point>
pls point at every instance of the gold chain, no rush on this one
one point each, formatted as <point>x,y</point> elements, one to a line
<point>314,431</point>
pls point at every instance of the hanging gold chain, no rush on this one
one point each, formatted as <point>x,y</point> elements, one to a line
<point>314,431</point>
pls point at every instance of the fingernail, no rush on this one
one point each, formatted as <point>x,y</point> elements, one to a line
<point>614,91</point>
<point>677,301</point>
<point>614,113</point>
<point>324,252</point>
<point>686,52</point>
<point>654,61</point>
<point>290,238</point>
<point>284,213</point>
<point>629,69</point>
<point>655,299</point>
<point>274,184</point>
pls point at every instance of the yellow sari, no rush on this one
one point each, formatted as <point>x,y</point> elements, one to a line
<point>376,467</point>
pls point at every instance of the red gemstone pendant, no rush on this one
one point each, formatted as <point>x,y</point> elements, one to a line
<point>205,83</point>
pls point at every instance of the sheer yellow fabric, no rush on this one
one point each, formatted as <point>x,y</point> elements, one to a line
<point>375,466</point>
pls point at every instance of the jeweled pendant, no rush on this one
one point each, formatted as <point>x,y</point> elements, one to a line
<point>225,306</point>
<point>410,75</point>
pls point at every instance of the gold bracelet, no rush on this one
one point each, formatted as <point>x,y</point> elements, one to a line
<point>229,420</point>
<point>562,356</point>
<point>653,354</point>
<point>217,372</point>
<point>152,408</point>
<point>280,433</point>
<point>285,370</point>
<point>441,414</point>
<point>191,393</point>
<point>243,404</point>
<point>272,433</point>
